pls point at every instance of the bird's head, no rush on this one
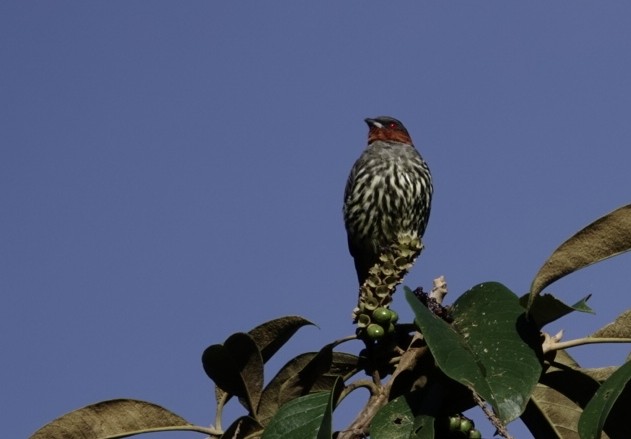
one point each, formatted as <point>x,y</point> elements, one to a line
<point>387,129</point>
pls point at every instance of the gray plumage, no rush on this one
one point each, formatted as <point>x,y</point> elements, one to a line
<point>389,191</point>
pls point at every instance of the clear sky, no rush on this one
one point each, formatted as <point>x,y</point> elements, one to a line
<point>172,172</point>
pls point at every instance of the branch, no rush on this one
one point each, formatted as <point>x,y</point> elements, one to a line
<point>367,384</point>
<point>552,343</point>
<point>360,427</point>
<point>497,423</point>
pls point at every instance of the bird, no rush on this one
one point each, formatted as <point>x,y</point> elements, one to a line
<point>388,192</point>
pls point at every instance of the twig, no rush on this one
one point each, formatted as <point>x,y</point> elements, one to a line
<point>223,398</point>
<point>439,289</point>
<point>499,425</point>
<point>344,340</point>
<point>367,384</point>
<point>360,427</point>
<point>555,346</point>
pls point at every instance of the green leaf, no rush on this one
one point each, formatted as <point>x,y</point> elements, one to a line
<point>307,417</point>
<point>399,420</point>
<point>114,418</point>
<point>606,237</point>
<point>237,368</point>
<point>490,347</point>
<point>595,414</point>
<point>271,336</point>
<point>395,420</point>
<point>547,308</point>
<point>423,427</point>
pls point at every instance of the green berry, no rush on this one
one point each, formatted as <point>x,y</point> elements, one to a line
<point>465,425</point>
<point>381,315</point>
<point>475,434</point>
<point>375,331</point>
<point>394,316</point>
<point>454,423</point>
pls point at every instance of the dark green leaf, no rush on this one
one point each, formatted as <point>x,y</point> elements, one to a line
<point>395,420</point>
<point>117,417</point>
<point>606,237</point>
<point>423,427</point>
<point>595,414</point>
<point>307,417</point>
<point>547,308</point>
<point>237,367</point>
<point>272,335</point>
<point>490,347</point>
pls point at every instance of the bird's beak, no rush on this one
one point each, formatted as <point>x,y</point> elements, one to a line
<point>372,123</point>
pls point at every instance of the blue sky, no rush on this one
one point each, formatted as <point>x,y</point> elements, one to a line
<point>172,172</point>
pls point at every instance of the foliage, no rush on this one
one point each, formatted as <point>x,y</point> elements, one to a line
<point>487,349</point>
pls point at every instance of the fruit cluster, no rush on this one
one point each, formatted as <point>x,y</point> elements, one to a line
<point>464,426</point>
<point>384,276</point>
<point>378,323</point>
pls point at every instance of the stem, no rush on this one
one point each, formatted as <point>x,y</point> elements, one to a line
<point>220,404</point>
<point>209,431</point>
<point>360,427</point>
<point>367,384</point>
<point>344,340</point>
<point>499,425</point>
<point>582,341</point>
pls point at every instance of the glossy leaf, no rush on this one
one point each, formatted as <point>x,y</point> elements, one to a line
<point>490,347</point>
<point>606,237</point>
<point>395,420</point>
<point>307,417</point>
<point>117,417</point>
<point>237,367</point>
<point>595,413</point>
<point>423,427</point>
<point>398,420</point>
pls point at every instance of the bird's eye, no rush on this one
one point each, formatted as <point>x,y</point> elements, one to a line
<point>393,125</point>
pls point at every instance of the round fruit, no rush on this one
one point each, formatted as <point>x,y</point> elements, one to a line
<point>381,315</point>
<point>374,331</point>
<point>454,423</point>
<point>465,425</point>
<point>475,434</point>
<point>394,316</point>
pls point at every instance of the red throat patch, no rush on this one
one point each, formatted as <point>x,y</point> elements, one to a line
<point>389,134</point>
